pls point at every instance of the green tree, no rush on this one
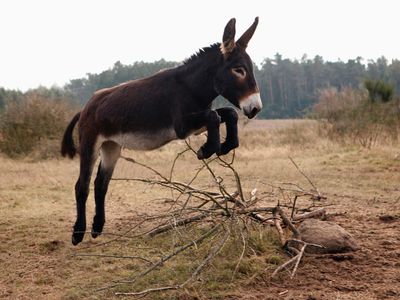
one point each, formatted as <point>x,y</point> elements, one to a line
<point>379,90</point>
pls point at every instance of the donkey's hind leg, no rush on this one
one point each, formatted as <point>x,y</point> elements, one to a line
<point>88,156</point>
<point>110,153</point>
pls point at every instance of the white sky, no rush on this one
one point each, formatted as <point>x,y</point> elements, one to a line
<point>46,42</point>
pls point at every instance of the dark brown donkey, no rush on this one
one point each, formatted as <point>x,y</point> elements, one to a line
<point>172,104</point>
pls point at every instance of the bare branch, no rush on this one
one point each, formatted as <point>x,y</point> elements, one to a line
<point>313,214</point>
<point>144,166</point>
<point>294,207</point>
<point>183,222</point>
<point>279,229</point>
<point>147,291</point>
<point>174,162</point>
<point>283,266</point>
<point>287,222</point>
<point>302,173</point>
<point>299,256</point>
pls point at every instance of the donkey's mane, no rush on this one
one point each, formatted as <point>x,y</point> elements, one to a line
<point>201,53</point>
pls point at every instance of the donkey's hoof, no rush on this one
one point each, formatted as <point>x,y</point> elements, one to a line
<point>97,226</point>
<point>226,148</point>
<point>96,231</point>
<point>200,154</point>
<point>203,153</point>
<point>95,234</point>
<point>77,237</point>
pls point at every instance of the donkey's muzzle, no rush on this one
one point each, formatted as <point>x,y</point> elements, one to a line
<point>251,105</point>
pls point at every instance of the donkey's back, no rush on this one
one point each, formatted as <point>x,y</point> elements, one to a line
<point>143,105</point>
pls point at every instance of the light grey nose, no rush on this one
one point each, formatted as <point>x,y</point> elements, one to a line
<point>251,105</point>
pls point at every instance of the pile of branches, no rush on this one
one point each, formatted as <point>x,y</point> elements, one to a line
<point>214,210</point>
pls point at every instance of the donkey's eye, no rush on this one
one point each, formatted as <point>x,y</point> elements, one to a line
<point>239,72</point>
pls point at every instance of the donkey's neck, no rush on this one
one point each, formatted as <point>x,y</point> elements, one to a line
<point>198,74</point>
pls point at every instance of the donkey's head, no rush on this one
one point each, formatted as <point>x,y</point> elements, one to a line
<point>235,77</point>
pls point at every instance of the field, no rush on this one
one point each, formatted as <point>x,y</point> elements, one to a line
<point>37,211</point>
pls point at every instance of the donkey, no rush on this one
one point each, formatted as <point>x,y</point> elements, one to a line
<point>147,113</point>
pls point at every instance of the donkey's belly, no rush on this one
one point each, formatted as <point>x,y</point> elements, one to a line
<point>143,140</point>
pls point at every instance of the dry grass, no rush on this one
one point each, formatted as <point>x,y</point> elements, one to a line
<point>37,211</point>
<point>351,116</point>
<point>32,125</point>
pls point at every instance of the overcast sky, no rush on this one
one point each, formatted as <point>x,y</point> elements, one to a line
<point>46,42</point>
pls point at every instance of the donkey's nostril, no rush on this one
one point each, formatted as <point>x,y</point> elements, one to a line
<point>253,112</point>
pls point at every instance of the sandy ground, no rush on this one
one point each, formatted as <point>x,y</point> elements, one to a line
<point>37,212</point>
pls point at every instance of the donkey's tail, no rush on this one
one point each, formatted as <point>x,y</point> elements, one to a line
<point>67,144</point>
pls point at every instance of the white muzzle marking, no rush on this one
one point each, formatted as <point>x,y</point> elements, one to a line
<point>251,105</point>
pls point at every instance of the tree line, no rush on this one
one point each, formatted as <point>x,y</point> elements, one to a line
<point>289,87</point>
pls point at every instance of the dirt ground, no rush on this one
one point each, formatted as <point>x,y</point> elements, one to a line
<point>373,272</point>
<point>37,211</point>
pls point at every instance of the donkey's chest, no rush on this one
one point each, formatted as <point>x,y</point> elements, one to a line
<point>143,140</point>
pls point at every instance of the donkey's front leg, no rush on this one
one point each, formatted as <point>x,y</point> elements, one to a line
<point>195,121</point>
<point>212,145</point>
<point>230,117</point>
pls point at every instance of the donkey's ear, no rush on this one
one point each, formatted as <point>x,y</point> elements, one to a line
<point>245,38</point>
<point>228,39</point>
